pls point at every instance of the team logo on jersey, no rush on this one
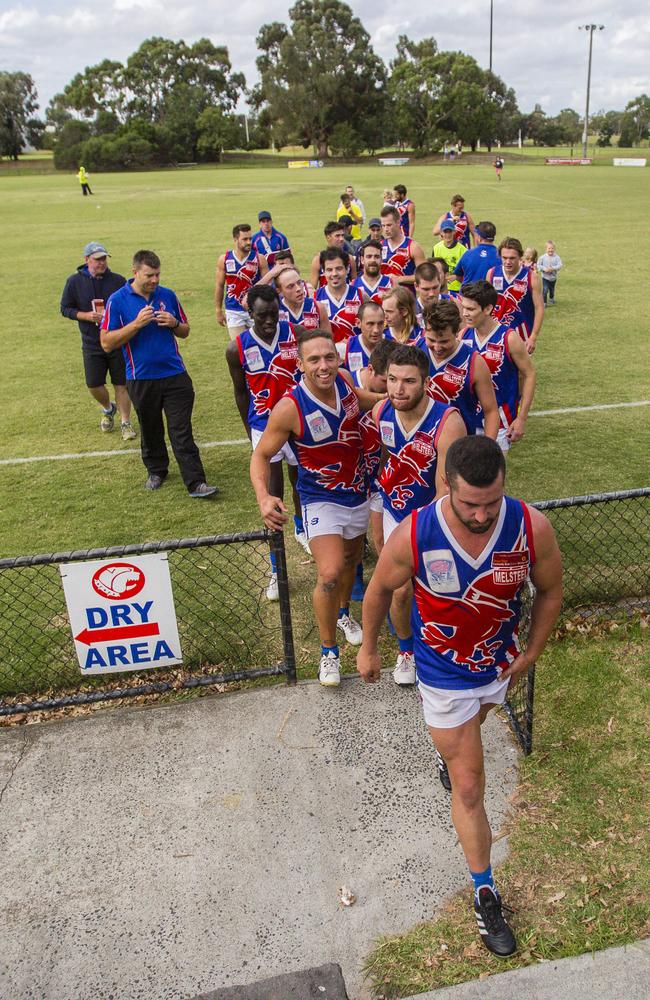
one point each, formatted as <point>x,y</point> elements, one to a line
<point>318,425</point>
<point>254,359</point>
<point>231,267</point>
<point>441,571</point>
<point>510,567</point>
<point>497,283</point>
<point>355,361</point>
<point>387,431</point>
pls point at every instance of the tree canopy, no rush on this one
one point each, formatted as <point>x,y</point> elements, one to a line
<point>18,102</point>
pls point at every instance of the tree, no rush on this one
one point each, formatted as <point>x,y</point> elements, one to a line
<point>637,119</point>
<point>216,132</point>
<point>318,73</point>
<point>18,102</point>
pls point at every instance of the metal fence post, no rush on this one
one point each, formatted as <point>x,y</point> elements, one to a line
<point>276,544</point>
<point>527,742</point>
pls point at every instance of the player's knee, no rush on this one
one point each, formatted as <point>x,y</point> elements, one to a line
<point>403,595</point>
<point>329,578</point>
<point>467,785</point>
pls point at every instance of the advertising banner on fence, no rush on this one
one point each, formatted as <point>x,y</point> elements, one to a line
<point>122,613</point>
<point>567,161</point>
<point>628,161</point>
<point>304,164</point>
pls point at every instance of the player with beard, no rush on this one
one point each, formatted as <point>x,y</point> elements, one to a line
<point>371,282</point>
<point>320,422</point>
<point>262,363</point>
<point>400,254</point>
<point>237,271</point>
<point>470,555</point>
<point>415,433</point>
<point>406,209</point>
<point>340,300</point>
<point>295,305</point>
<point>334,233</point>
<point>512,371</point>
<point>371,323</point>
<point>520,305</point>
<point>458,375</point>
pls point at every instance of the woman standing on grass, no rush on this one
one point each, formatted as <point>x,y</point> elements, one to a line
<point>548,266</point>
<point>401,321</point>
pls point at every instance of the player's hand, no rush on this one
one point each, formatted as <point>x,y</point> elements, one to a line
<point>531,344</point>
<point>516,430</point>
<point>145,316</point>
<point>274,513</point>
<point>517,669</point>
<point>166,318</point>
<point>221,317</point>
<point>369,666</point>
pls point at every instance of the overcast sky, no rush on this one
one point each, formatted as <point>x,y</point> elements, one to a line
<point>538,49</point>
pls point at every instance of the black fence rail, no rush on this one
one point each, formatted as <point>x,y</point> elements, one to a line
<point>605,543</point>
<point>228,629</point>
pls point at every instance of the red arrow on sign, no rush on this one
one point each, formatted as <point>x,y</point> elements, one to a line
<point>88,636</point>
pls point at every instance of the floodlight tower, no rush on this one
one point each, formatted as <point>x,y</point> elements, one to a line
<point>590,28</point>
<point>491,25</point>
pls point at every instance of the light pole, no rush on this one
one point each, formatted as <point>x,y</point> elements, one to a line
<point>491,24</point>
<point>590,28</point>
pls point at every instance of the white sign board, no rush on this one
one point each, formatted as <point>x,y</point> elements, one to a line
<point>393,161</point>
<point>623,161</point>
<point>122,613</point>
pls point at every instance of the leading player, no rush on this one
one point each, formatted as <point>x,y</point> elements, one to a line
<point>470,555</point>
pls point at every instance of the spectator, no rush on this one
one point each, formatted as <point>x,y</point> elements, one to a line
<point>548,266</point>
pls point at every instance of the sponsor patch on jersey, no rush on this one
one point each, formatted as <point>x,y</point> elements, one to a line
<point>231,267</point>
<point>318,425</point>
<point>455,375</point>
<point>441,572</point>
<point>351,404</point>
<point>494,352</point>
<point>497,282</point>
<point>510,567</point>
<point>254,359</point>
<point>288,350</point>
<point>423,444</point>
<point>355,361</point>
<point>520,286</point>
<point>387,431</point>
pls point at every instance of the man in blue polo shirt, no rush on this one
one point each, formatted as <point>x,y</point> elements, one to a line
<point>475,264</point>
<point>268,240</point>
<point>144,319</point>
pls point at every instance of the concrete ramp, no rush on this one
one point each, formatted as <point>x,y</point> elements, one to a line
<point>169,851</point>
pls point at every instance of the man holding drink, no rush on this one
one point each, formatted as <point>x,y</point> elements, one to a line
<point>84,297</point>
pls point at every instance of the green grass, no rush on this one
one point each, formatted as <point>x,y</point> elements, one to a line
<point>577,869</point>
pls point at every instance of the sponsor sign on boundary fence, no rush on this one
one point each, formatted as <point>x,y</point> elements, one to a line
<point>394,161</point>
<point>568,161</point>
<point>304,164</point>
<point>622,161</point>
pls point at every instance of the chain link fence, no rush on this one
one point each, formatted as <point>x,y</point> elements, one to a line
<point>604,539</point>
<point>228,630</point>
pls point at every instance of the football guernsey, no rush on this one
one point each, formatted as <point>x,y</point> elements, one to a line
<point>451,382</point>
<point>268,246</point>
<point>503,371</point>
<point>465,612</point>
<point>153,352</point>
<point>308,317</point>
<point>416,337</point>
<point>357,354</point>
<point>515,307</point>
<point>399,260</point>
<point>371,443</point>
<point>328,449</point>
<point>375,292</point>
<point>241,275</point>
<point>463,232</point>
<point>404,221</point>
<point>269,369</point>
<point>408,480</point>
<point>342,313</point>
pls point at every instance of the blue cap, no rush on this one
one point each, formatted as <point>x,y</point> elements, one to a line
<point>95,250</point>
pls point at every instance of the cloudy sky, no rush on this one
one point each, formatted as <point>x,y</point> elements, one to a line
<point>538,49</point>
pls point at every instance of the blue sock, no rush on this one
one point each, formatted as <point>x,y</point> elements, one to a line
<point>274,568</point>
<point>359,572</point>
<point>329,649</point>
<point>482,878</point>
<point>344,611</point>
<point>297,523</point>
<point>406,645</point>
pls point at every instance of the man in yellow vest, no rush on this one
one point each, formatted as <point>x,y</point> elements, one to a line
<point>83,180</point>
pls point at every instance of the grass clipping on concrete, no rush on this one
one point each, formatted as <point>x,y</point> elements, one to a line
<point>578,870</point>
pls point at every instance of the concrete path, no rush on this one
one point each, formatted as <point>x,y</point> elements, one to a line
<point>168,851</point>
<point>613,974</point>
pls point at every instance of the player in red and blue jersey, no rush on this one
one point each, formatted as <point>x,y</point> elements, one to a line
<point>371,282</point>
<point>400,254</point>
<point>406,209</point>
<point>334,233</point>
<point>401,322</point>
<point>458,375</point>
<point>371,323</point>
<point>237,271</point>
<point>145,319</point>
<point>470,554</point>
<point>295,305</point>
<point>415,433</point>
<point>520,305</point>
<point>340,299</point>
<point>512,371</point>
<point>320,422</point>
<point>268,240</point>
<point>463,222</point>
<point>262,362</point>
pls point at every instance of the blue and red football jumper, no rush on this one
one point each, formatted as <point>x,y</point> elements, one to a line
<point>329,449</point>
<point>342,313</point>
<point>374,292</point>
<point>408,480</point>
<point>398,261</point>
<point>308,317</point>
<point>515,307</point>
<point>240,278</point>
<point>451,382</point>
<point>503,371</point>
<point>269,370</point>
<point>404,221</point>
<point>465,612</point>
<point>463,232</point>
<point>357,355</point>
